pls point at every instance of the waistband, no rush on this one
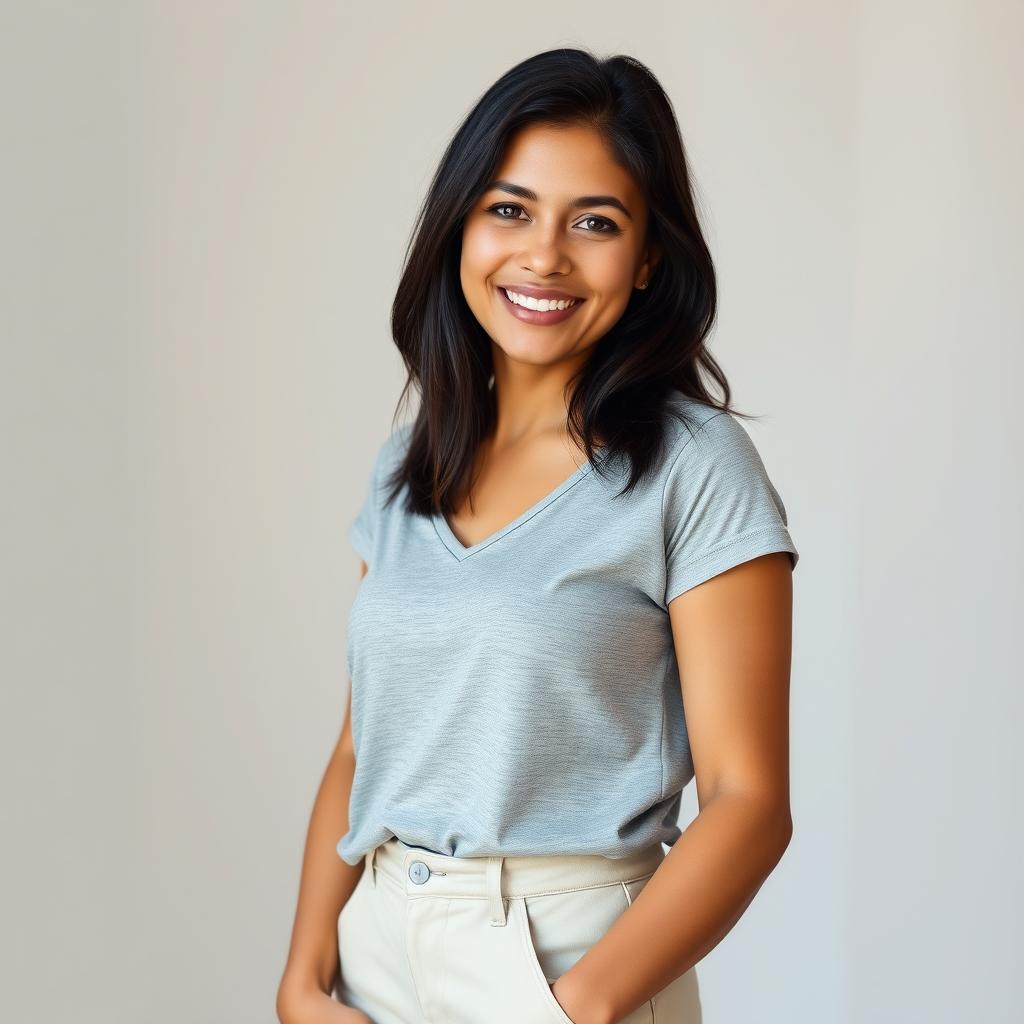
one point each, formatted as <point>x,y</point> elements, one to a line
<point>422,872</point>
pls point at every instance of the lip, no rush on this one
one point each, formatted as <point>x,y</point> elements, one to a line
<point>536,292</point>
<point>535,316</point>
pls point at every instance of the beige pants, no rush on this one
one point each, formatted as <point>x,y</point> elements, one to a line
<point>429,939</point>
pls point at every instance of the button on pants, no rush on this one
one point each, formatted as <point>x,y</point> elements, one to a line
<point>430,939</point>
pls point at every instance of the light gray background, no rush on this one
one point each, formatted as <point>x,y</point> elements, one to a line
<point>204,210</point>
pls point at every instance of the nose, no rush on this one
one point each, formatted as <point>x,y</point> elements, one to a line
<point>545,252</point>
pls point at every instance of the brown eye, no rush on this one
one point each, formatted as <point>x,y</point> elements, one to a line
<point>503,206</point>
<point>609,227</point>
<point>605,226</point>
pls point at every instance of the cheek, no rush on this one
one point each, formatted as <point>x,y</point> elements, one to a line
<point>611,274</point>
<point>483,251</point>
<point>481,259</point>
<point>606,315</point>
<point>614,286</point>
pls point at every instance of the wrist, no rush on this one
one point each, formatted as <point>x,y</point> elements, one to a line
<point>296,995</point>
<point>581,1002</point>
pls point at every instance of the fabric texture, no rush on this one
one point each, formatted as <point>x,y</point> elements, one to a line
<point>427,938</point>
<point>521,696</point>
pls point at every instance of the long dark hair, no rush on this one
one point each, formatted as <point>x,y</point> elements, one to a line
<point>621,393</point>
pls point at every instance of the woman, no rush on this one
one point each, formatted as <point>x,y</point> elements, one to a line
<point>571,542</point>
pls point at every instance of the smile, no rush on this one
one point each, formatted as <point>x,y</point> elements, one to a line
<point>538,311</point>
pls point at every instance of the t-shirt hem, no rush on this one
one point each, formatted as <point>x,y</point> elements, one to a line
<point>760,541</point>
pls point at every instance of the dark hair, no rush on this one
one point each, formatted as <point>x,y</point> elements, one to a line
<point>622,392</point>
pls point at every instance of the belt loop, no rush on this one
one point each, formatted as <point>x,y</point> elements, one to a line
<point>495,902</point>
<point>371,866</point>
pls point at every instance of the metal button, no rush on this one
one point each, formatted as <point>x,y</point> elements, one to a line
<point>419,872</point>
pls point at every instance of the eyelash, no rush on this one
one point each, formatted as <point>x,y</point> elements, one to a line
<point>612,228</point>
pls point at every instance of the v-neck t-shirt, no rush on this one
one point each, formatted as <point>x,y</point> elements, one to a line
<point>521,695</point>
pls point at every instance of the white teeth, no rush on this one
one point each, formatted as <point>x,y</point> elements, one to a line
<point>542,305</point>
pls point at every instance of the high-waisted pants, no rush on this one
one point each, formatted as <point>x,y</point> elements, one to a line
<point>430,939</point>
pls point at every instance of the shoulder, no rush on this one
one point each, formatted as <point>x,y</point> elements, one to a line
<point>712,459</point>
<point>696,430</point>
<point>392,449</point>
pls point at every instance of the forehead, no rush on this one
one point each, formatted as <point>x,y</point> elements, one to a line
<point>559,162</point>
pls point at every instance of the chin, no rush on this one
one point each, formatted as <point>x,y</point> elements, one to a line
<point>533,352</point>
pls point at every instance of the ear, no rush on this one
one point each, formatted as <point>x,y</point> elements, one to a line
<point>651,258</point>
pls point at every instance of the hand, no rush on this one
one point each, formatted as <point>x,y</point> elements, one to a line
<point>574,1003</point>
<point>314,1006</point>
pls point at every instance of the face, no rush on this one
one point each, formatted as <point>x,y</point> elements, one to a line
<point>561,220</point>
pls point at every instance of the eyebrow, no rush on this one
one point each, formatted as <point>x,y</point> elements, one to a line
<point>578,202</point>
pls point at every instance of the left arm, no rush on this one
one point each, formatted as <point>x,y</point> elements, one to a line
<point>732,636</point>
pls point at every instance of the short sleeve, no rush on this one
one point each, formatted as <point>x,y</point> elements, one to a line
<point>719,506</point>
<point>363,528</point>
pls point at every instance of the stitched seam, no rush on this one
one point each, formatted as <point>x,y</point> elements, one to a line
<point>565,487</point>
<point>672,466</point>
<point>675,459</point>
<point>446,1002</point>
<point>534,962</point>
<point>410,957</point>
<point>444,541</point>
<point>722,545</point>
<point>528,895</point>
<point>551,497</point>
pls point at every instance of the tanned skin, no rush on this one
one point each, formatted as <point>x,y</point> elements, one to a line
<point>732,633</point>
<point>732,637</point>
<point>735,671</point>
<point>305,993</point>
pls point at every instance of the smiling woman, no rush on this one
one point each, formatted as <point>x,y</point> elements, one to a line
<point>580,242</point>
<point>577,596</point>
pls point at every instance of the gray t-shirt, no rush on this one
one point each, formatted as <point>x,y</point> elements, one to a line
<point>522,695</point>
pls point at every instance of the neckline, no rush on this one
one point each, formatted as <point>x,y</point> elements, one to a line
<point>462,551</point>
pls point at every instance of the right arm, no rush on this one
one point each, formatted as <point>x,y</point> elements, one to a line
<point>305,993</point>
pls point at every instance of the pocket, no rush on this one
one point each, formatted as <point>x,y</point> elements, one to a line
<point>634,888</point>
<point>558,928</point>
<point>537,973</point>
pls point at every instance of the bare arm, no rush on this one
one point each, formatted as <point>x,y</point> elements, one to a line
<point>732,636</point>
<point>325,884</point>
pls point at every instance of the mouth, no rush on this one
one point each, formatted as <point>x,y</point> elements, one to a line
<point>544,311</point>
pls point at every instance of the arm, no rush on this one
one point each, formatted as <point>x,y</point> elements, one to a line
<point>732,636</point>
<point>325,886</point>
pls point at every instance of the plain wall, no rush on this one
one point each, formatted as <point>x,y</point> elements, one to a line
<point>205,207</point>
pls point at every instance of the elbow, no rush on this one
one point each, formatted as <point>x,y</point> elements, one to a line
<point>783,832</point>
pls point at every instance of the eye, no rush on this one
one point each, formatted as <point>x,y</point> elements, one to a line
<point>503,206</point>
<point>610,227</point>
<point>606,227</point>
